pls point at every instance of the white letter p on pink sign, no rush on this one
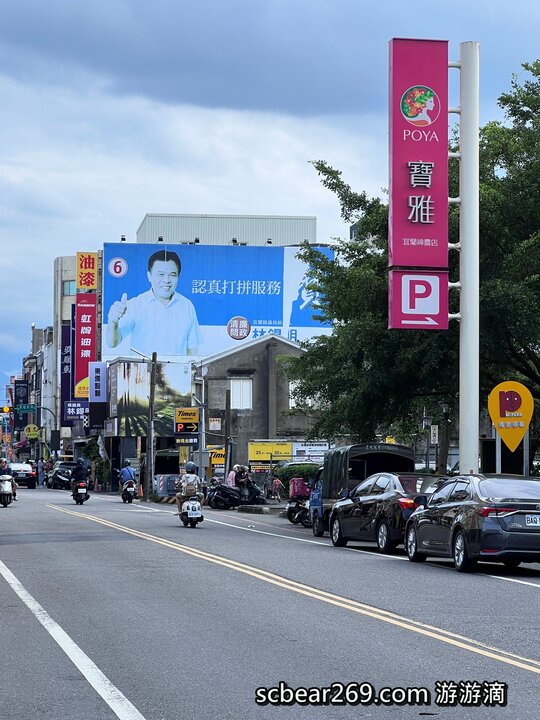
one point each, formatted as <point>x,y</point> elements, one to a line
<point>420,294</point>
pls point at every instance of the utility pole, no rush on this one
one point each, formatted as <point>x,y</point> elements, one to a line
<point>147,488</point>
<point>228,445</point>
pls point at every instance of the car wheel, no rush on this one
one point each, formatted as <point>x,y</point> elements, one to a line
<point>336,533</point>
<point>511,563</point>
<point>385,543</point>
<point>411,545</point>
<point>317,527</point>
<point>462,561</point>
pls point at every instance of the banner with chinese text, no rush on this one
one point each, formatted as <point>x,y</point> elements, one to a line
<point>85,340</point>
<point>418,117</point>
<point>87,271</point>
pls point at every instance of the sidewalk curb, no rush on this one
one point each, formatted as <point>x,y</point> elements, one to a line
<point>260,509</point>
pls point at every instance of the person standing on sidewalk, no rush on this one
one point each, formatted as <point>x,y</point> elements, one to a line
<point>41,472</point>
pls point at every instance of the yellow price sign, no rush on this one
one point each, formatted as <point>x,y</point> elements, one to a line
<point>511,408</point>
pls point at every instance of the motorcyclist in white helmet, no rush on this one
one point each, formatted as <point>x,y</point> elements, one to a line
<point>189,485</point>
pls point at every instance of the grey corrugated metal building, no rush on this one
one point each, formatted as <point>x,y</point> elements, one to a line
<point>228,229</point>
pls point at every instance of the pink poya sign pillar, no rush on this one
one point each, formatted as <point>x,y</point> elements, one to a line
<point>418,107</point>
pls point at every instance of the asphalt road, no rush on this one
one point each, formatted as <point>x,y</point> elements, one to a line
<point>114,610</point>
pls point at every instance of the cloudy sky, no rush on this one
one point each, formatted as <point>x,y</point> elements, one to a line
<point>112,109</point>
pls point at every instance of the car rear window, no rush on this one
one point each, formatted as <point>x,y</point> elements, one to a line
<point>412,484</point>
<point>498,489</point>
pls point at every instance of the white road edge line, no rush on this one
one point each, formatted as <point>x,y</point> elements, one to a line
<point>118,702</point>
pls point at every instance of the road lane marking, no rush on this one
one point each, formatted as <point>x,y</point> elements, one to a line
<point>514,580</point>
<point>115,699</point>
<point>386,616</point>
<point>435,561</point>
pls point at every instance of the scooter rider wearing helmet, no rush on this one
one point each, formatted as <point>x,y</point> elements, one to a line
<point>188,479</point>
<point>78,474</point>
<point>127,473</point>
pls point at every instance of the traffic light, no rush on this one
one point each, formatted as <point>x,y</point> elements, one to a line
<point>6,409</point>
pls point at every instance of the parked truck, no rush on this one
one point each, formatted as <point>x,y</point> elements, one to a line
<point>345,467</point>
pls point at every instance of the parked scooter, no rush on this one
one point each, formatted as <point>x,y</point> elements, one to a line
<point>6,495</point>
<point>298,512</point>
<point>191,512</point>
<point>80,492</point>
<point>225,497</point>
<point>129,491</point>
<point>298,506</point>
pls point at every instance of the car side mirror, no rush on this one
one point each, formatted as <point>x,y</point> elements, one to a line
<point>421,500</point>
<point>343,494</point>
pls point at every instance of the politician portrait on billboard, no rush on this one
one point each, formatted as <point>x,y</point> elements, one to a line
<point>194,301</point>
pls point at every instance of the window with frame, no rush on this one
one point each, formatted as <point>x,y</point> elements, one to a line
<point>363,489</point>
<point>241,393</point>
<point>441,496</point>
<point>460,492</point>
<point>380,486</point>
<point>68,287</point>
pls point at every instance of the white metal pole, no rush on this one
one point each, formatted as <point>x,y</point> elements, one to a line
<point>469,364</point>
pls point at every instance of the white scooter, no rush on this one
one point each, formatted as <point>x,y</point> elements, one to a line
<point>6,494</point>
<point>191,512</point>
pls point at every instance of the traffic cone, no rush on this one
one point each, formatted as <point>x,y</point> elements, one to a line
<point>140,493</point>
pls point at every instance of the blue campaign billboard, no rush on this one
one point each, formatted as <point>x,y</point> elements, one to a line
<point>198,300</point>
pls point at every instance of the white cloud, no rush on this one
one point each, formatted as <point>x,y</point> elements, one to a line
<point>85,168</point>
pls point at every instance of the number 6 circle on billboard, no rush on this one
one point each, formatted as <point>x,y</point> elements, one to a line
<point>117,267</point>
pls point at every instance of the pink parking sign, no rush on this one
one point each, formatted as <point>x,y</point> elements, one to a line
<point>418,300</point>
<point>418,114</point>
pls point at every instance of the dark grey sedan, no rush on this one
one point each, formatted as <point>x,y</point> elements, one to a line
<point>378,508</point>
<point>478,517</point>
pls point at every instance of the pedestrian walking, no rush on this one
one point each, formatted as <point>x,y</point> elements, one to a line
<point>41,472</point>
<point>277,489</point>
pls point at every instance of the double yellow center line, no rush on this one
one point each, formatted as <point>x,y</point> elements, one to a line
<point>344,603</point>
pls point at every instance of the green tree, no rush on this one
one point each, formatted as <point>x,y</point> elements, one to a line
<point>366,378</point>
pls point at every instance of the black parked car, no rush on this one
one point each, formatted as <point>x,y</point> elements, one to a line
<point>478,517</point>
<point>378,508</point>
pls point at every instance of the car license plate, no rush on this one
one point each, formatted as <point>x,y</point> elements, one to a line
<point>532,521</point>
<point>131,490</point>
<point>194,513</point>
<point>81,490</point>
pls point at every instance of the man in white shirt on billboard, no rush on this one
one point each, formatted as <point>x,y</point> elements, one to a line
<point>160,319</point>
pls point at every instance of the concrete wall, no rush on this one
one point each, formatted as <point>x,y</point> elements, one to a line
<point>269,416</point>
<point>221,229</point>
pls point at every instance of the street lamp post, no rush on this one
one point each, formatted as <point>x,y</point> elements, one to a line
<point>41,407</point>
<point>426,424</point>
<point>148,485</point>
<point>201,404</point>
<point>149,467</point>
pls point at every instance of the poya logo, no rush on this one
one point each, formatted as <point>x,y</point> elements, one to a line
<point>420,105</point>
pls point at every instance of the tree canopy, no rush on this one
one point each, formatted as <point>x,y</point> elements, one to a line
<point>368,379</point>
